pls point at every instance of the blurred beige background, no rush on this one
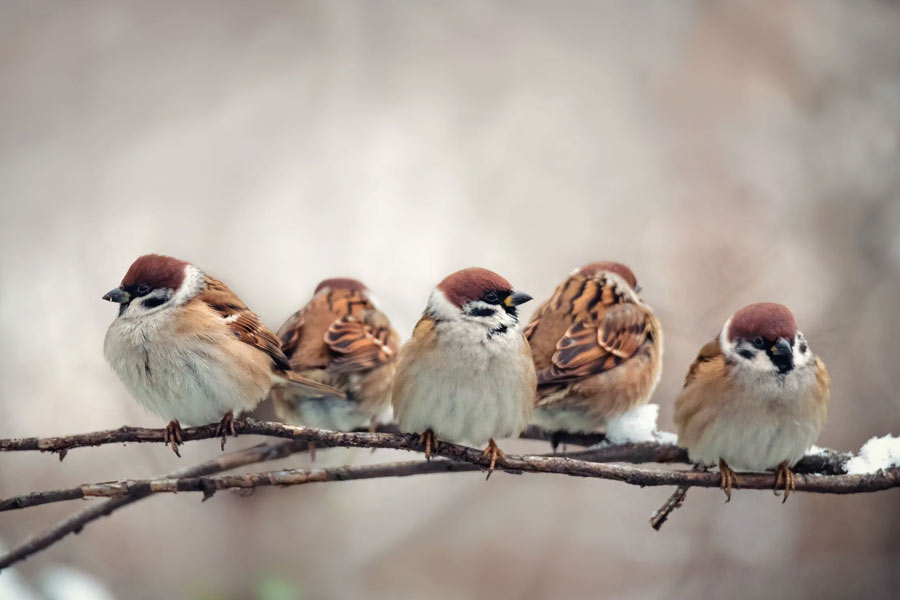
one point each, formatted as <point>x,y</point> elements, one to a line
<point>728,152</point>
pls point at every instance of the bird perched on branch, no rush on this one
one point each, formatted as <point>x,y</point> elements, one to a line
<point>466,375</point>
<point>597,349</point>
<point>341,339</point>
<point>755,398</point>
<point>189,350</point>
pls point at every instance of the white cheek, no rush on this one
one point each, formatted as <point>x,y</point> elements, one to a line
<point>801,359</point>
<point>441,308</point>
<point>137,310</point>
<point>762,363</point>
<point>194,280</point>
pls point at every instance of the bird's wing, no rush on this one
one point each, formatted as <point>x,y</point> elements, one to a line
<point>586,349</point>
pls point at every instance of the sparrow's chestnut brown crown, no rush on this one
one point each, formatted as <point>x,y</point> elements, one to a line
<point>472,284</point>
<point>768,320</point>
<point>341,283</point>
<point>591,269</point>
<point>156,271</point>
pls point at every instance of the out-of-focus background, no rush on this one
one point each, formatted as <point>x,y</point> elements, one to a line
<point>728,152</point>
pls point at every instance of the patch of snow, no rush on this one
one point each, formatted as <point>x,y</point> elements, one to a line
<point>666,437</point>
<point>638,425</point>
<point>816,451</point>
<point>13,586</point>
<point>66,583</point>
<point>877,453</point>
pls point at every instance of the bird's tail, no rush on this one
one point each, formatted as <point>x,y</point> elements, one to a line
<point>300,383</point>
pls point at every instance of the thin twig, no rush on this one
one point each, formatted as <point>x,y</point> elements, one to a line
<point>663,512</point>
<point>126,434</point>
<point>629,453</point>
<point>74,523</point>
<point>468,460</point>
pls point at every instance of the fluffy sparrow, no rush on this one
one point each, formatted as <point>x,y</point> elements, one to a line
<point>755,397</point>
<point>466,375</point>
<point>597,349</point>
<point>189,350</point>
<point>339,338</point>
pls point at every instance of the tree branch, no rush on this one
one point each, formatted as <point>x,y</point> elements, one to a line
<point>829,462</point>
<point>825,468</point>
<point>630,453</point>
<point>466,459</point>
<point>74,523</point>
<point>126,434</point>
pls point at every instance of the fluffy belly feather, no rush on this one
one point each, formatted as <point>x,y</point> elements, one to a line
<point>467,402</point>
<point>758,431</point>
<point>188,380</point>
<point>329,412</point>
<point>564,419</point>
<point>753,448</point>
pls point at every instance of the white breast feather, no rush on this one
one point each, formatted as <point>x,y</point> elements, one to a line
<point>470,387</point>
<point>177,376</point>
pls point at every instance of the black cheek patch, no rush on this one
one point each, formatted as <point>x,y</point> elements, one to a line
<point>154,302</point>
<point>481,312</point>
<point>746,354</point>
<point>498,331</point>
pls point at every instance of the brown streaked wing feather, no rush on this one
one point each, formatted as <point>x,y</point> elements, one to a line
<point>243,322</point>
<point>310,386</point>
<point>708,352</point>
<point>588,350</point>
<point>577,354</point>
<point>356,346</point>
<point>289,333</point>
<point>623,329</point>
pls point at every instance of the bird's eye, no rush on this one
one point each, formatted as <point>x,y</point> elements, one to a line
<point>759,342</point>
<point>491,297</point>
<point>143,289</point>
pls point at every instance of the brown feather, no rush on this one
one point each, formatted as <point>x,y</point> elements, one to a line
<point>155,270</point>
<point>710,351</point>
<point>357,346</point>
<point>244,323</point>
<point>596,351</point>
<point>340,338</point>
<point>765,319</point>
<point>470,284</point>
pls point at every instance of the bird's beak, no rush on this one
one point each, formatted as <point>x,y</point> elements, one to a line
<point>516,298</point>
<point>118,296</point>
<point>782,355</point>
<point>781,348</point>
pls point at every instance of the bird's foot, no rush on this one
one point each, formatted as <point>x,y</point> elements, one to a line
<point>785,475</point>
<point>173,436</point>
<point>729,479</point>
<point>226,426</point>
<point>373,428</point>
<point>430,441</point>
<point>495,453</point>
<point>556,438</point>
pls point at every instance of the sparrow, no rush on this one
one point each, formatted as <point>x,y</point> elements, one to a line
<point>597,349</point>
<point>466,376</point>
<point>755,398</point>
<point>341,339</point>
<point>189,350</point>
